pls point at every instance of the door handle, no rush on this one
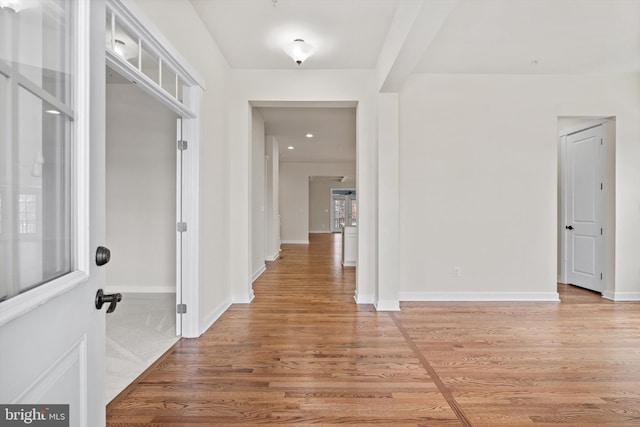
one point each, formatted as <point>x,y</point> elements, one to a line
<point>112,299</point>
<point>568,227</point>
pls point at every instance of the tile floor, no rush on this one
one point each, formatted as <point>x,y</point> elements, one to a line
<point>140,330</point>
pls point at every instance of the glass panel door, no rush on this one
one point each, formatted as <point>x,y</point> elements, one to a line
<point>353,212</point>
<point>339,212</point>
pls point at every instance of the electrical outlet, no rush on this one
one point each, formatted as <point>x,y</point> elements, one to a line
<point>457,271</point>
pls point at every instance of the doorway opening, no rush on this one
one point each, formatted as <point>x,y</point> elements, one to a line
<point>142,191</point>
<point>344,208</point>
<point>586,203</point>
<point>303,150</point>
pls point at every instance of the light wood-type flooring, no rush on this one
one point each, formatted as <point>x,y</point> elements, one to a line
<point>304,353</point>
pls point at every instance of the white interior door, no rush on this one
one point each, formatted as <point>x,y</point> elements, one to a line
<point>584,208</point>
<point>52,210</point>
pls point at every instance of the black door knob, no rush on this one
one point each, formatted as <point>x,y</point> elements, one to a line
<point>103,255</point>
<point>111,299</point>
<point>568,227</point>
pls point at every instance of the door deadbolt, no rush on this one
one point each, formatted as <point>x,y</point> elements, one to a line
<point>103,255</point>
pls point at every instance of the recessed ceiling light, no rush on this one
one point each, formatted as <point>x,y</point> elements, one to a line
<point>290,147</point>
<point>309,135</point>
<point>54,112</point>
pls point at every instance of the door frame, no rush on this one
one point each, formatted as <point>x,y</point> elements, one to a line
<point>188,264</point>
<point>607,168</point>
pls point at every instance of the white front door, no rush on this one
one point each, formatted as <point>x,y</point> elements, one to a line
<point>584,208</point>
<point>52,211</point>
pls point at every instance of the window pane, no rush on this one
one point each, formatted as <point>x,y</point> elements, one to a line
<point>40,199</point>
<point>150,66</point>
<point>169,80</point>
<point>354,212</point>
<point>125,44</point>
<point>181,86</point>
<point>41,32</point>
<point>36,146</point>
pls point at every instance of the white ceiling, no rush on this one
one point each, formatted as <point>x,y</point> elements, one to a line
<point>475,36</point>
<point>252,33</point>
<point>537,36</point>
<point>333,129</point>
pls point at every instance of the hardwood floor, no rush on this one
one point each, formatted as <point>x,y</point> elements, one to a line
<point>304,353</point>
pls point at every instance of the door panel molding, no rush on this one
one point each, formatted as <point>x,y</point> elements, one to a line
<point>69,369</point>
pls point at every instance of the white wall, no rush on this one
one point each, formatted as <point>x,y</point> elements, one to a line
<point>294,195</point>
<point>478,181</point>
<point>141,191</point>
<point>257,172</point>
<point>181,26</point>
<point>320,203</point>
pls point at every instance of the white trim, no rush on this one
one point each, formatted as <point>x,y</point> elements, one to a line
<point>126,289</point>
<point>27,301</point>
<point>133,13</point>
<point>243,299</point>
<point>273,257</point>
<point>582,126</point>
<point>387,305</point>
<point>621,296</point>
<point>258,272</point>
<point>349,263</point>
<point>363,298</point>
<point>210,319</point>
<point>150,87</point>
<point>191,214</point>
<point>295,242</point>
<point>322,232</point>
<point>479,296</point>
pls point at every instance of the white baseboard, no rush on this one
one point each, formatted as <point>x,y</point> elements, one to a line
<point>210,319</point>
<point>125,289</point>
<point>387,305</point>
<point>273,257</point>
<point>295,242</point>
<point>479,296</point>
<point>621,296</point>
<point>320,232</point>
<point>363,298</point>
<point>243,299</point>
<point>258,272</point>
<point>349,264</point>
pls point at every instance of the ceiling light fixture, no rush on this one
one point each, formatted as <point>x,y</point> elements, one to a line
<point>54,112</point>
<point>290,147</point>
<point>299,50</point>
<point>16,6</point>
<point>125,50</point>
<point>309,135</point>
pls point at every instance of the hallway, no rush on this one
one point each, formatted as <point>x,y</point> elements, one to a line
<point>303,353</point>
